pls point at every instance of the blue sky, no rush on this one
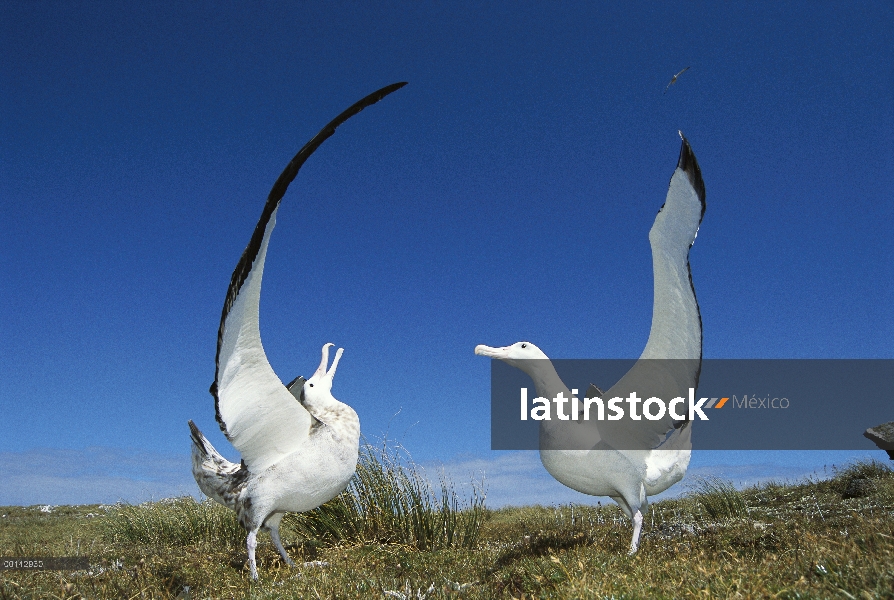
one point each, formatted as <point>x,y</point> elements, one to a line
<point>506,193</point>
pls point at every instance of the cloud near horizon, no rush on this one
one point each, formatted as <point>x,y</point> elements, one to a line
<point>92,476</point>
<point>107,475</point>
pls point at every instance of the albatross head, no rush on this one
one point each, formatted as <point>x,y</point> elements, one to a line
<point>533,361</point>
<point>319,387</point>
<point>516,354</point>
<point>340,419</point>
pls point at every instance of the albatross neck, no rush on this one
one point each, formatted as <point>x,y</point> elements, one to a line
<point>546,380</point>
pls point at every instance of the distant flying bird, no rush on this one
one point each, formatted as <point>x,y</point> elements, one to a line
<point>674,79</point>
<point>629,460</point>
<point>299,445</point>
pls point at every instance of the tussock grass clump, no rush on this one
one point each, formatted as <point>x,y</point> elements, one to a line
<point>720,499</point>
<point>175,522</point>
<point>863,469</point>
<point>390,500</point>
<point>859,479</point>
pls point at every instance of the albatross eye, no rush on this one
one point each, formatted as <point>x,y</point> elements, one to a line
<point>524,345</point>
<point>311,385</point>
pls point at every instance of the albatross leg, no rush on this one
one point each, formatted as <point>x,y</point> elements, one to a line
<point>634,512</point>
<point>272,526</point>
<point>250,544</point>
<point>637,529</point>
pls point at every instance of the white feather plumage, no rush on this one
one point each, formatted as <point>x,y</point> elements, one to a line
<point>299,445</point>
<point>668,367</point>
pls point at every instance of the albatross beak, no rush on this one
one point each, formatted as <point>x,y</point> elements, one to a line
<point>500,353</point>
<point>321,370</point>
<point>337,358</point>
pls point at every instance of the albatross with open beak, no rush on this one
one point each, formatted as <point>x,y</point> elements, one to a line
<point>299,445</point>
<point>630,460</point>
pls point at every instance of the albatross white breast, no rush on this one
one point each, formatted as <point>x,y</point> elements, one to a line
<point>299,445</point>
<point>625,459</point>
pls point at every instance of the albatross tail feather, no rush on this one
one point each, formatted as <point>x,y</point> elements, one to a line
<point>217,477</point>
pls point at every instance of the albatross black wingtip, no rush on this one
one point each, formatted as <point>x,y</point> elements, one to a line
<point>246,262</point>
<point>391,88</point>
<point>689,165</point>
<point>291,170</point>
<point>196,436</point>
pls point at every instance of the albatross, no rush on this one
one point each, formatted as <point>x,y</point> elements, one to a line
<point>630,460</point>
<point>299,445</point>
<point>674,79</point>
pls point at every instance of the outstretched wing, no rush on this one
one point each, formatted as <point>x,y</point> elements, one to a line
<point>674,79</point>
<point>671,361</point>
<point>256,412</point>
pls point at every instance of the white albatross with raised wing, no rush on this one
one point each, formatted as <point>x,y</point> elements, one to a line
<point>299,445</point>
<point>630,460</point>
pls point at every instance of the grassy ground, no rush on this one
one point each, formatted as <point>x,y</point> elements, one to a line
<point>820,539</point>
